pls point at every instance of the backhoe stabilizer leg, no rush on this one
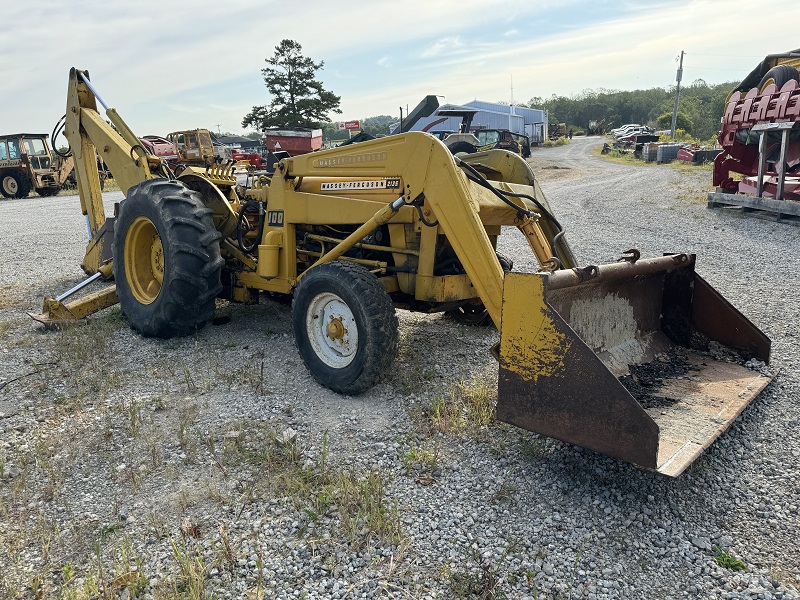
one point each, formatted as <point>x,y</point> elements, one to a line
<point>56,313</point>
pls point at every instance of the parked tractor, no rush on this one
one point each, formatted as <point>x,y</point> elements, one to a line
<point>353,234</point>
<point>26,163</point>
<point>197,148</point>
<point>469,140</point>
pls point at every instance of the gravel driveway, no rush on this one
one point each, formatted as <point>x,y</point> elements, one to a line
<point>214,466</point>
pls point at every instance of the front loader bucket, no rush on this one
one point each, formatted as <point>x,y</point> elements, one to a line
<point>637,360</point>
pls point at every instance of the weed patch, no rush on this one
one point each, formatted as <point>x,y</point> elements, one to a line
<point>481,576</point>
<point>467,406</point>
<point>727,561</point>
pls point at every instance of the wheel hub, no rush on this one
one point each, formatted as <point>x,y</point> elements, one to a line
<point>157,260</point>
<point>336,329</point>
<point>10,185</point>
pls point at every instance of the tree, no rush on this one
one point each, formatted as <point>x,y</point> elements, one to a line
<point>377,125</point>
<point>298,99</point>
<point>683,121</point>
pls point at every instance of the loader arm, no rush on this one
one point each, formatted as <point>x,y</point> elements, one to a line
<point>430,173</point>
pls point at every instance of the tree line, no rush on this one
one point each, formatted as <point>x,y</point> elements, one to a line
<point>700,110</point>
<point>298,99</point>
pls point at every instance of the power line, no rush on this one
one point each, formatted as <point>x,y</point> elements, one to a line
<point>712,69</point>
<point>728,55</point>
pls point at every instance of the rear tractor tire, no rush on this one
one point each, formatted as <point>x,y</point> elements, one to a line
<point>15,184</point>
<point>167,261</point>
<point>345,326</point>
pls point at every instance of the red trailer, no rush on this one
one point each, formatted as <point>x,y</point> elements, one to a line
<point>296,140</point>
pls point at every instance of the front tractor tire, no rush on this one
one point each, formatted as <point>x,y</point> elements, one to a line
<point>345,326</point>
<point>167,261</point>
<point>15,184</point>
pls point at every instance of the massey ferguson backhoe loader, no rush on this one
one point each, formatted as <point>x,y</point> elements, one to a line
<point>355,232</point>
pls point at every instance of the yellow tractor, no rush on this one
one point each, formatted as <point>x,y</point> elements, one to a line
<point>353,233</point>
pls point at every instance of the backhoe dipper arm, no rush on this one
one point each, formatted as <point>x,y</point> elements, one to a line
<point>90,135</point>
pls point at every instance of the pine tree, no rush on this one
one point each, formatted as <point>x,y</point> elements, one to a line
<point>298,99</point>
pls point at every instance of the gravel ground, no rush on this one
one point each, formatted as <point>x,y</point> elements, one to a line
<point>214,466</point>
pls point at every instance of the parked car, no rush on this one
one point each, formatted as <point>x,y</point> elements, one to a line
<point>625,130</point>
<point>621,128</point>
<point>631,134</point>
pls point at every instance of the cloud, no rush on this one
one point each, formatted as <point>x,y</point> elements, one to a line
<point>443,46</point>
<point>167,68</point>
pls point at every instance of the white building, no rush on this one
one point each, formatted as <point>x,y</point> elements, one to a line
<point>490,115</point>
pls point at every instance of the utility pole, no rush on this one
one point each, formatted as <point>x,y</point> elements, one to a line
<point>677,95</point>
<point>511,108</point>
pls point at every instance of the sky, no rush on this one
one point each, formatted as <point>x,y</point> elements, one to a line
<point>171,65</point>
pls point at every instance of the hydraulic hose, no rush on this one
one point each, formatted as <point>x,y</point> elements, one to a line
<point>240,232</point>
<point>474,175</point>
<point>482,181</point>
<point>56,130</point>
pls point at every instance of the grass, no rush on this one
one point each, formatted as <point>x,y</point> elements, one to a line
<point>352,505</point>
<point>483,575</point>
<point>558,142</point>
<point>91,418</point>
<point>480,576</point>
<point>81,343</point>
<point>727,561</point>
<point>466,407</point>
<point>193,572</point>
<point>621,157</point>
<point>110,185</point>
<point>683,167</point>
<point>420,458</point>
<point>356,500</point>
<point>339,507</point>
<point>534,446</point>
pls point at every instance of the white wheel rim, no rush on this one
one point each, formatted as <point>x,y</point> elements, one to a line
<point>332,330</point>
<point>10,185</point>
